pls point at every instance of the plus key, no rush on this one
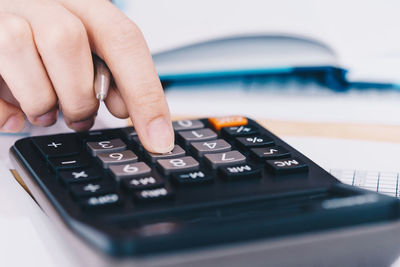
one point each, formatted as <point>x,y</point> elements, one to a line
<point>57,146</point>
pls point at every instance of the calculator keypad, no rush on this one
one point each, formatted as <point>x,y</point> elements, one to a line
<point>98,168</point>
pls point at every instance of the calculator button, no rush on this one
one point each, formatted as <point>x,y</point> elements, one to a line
<point>57,145</point>
<point>104,146</point>
<point>129,132</point>
<point>214,146</point>
<point>227,121</point>
<point>254,141</point>
<point>129,170</point>
<point>178,165</point>
<point>91,189</point>
<point>240,171</point>
<point>188,178</point>
<point>113,158</point>
<point>101,201</point>
<point>176,152</point>
<point>187,125</point>
<point>71,162</point>
<point>93,136</point>
<point>236,131</point>
<point>291,165</point>
<point>153,194</point>
<point>79,175</point>
<point>226,158</point>
<point>143,182</point>
<point>197,135</point>
<point>275,152</point>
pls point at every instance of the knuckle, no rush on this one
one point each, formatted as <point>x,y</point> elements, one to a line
<point>67,36</point>
<point>126,37</point>
<point>15,33</point>
<point>150,98</point>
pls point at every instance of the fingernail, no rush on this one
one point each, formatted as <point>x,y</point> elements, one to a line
<point>161,135</point>
<point>14,124</point>
<point>46,119</point>
<point>82,125</point>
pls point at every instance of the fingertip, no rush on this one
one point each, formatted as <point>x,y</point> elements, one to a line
<point>46,119</point>
<point>160,136</point>
<point>15,123</point>
<point>81,125</point>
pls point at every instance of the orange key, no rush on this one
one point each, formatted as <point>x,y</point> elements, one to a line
<point>227,121</point>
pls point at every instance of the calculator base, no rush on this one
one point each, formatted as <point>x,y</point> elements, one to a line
<point>366,245</point>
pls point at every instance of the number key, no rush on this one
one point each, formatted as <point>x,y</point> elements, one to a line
<point>129,170</point>
<point>226,158</point>
<point>214,146</point>
<point>178,164</point>
<point>187,125</point>
<point>112,145</point>
<point>197,135</point>
<point>113,158</point>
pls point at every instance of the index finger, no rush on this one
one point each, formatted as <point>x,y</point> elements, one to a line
<point>120,43</point>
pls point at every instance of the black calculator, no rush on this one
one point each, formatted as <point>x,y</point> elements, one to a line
<point>229,193</point>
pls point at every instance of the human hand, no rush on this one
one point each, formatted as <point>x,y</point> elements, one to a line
<point>46,64</point>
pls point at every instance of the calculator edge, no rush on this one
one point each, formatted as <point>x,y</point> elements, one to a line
<point>275,250</point>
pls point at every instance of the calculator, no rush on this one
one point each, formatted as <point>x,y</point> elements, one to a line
<point>230,193</point>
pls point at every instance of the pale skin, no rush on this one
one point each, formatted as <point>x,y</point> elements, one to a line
<point>46,65</point>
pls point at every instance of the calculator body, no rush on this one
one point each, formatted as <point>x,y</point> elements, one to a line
<point>277,208</point>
